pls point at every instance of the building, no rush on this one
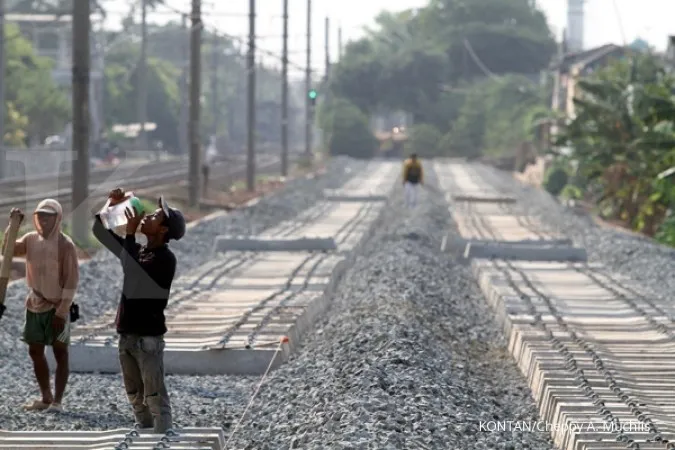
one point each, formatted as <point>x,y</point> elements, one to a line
<point>570,67</point>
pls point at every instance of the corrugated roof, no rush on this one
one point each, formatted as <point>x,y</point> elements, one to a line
<point>586,56</point>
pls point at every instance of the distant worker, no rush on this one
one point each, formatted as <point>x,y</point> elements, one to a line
<point>52,275</point>
<point>209,158</point>
<point>412,176</point>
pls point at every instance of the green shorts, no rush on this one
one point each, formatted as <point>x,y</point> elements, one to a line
<point>38,329</point>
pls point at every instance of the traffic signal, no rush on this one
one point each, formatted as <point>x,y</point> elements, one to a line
<point>312,96</point>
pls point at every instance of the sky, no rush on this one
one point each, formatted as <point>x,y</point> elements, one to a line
<point>651,20</point>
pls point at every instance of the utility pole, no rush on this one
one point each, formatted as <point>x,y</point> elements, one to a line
<point>308,83</point>
<point>3,156</point>
<point>214,83</point>
<point>250,66</point>
<point>284,96</point>
<point>327,47</point>
<point>141,82</point>
<point>81,118</point>
<point>183,83</point>
<point>195,96</point>
<point>339,38</point>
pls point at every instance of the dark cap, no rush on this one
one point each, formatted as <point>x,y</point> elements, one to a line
<point>174,221</point>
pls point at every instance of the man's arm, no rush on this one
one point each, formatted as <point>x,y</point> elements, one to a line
<point>405,172</point>
<point>20,246</point>
<point>70,277</point>
<point>421,174</point>
<point>107,238</point>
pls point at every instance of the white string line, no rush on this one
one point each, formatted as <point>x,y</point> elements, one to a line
<point>262,380</point>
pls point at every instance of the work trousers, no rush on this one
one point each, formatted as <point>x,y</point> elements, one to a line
<point>142,363</point>
<point>411,193</point>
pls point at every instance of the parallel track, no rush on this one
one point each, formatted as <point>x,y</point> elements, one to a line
<point>612,388</point>
<point>135,178</point>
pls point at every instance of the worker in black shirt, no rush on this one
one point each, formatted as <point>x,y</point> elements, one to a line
<point>148,273</point>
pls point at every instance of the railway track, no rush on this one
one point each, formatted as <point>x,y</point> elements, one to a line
<point>132,178</point>
<point>596,348</point>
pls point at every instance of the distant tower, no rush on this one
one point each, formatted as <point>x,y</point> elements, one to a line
<point>575,25</point>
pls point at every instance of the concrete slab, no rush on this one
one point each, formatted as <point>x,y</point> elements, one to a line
<point>339,197</point>
<point>502,227</point>
<point>183,439</point>
<point>487,250</point>
<point>485,198</point>
<point>621,332</point>
<point>263,244</point>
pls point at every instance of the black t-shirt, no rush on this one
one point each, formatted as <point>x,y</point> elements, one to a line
<point>148,275</point>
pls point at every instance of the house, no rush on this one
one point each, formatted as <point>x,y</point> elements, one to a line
<point>670,53</point>
<point>51,37</point>
<point>570,67</point>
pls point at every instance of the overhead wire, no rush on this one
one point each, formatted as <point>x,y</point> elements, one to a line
<point>238,39</point>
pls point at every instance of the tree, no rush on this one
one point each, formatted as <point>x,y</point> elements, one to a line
<point>623,137</point>
<point>425,62</point>
<point>35,105</point>
<point>163,96</point>
<point>424,140</point>
<point>348,131</point>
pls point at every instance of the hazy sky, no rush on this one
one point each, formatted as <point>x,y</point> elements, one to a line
<point>649,19</point>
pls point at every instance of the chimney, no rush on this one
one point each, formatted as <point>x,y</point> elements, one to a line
<point>575,25</point>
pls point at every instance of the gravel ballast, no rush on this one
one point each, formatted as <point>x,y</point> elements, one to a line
<point>409,356</point>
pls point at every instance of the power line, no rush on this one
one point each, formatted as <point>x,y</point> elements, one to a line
<point>617,12</point>
<point>477,60</point>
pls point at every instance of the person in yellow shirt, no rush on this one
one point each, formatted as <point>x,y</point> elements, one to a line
<point>413,175</point>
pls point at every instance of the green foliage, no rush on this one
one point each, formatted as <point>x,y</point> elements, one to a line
<point>666,232</point>
<point>555,180</point>
<point>349,132</point>
<point>35,106</point>
<point>623,137</point>
<point>418,62</point>
<point>572,192</point>
<point>446,145</point>
<point>122,95</point>
<point>424,140</point>
<point>165,62</point>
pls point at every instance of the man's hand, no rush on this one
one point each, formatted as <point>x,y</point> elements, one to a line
<point>116,196</point>
<point>16,212</point>
<point>133,220</point>
<point>58,324</point>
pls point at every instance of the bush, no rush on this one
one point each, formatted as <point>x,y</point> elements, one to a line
<point>572,192</point>
<point>555,180</point>
<point>424,140</point>
<point>666,232</point>
<point>349,132</point>
<point>445,145</point>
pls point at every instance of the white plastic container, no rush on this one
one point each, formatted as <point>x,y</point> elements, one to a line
<point>113,217</point>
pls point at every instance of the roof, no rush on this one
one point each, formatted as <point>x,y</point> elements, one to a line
<point>38,18</point>
<point>586,57</point>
